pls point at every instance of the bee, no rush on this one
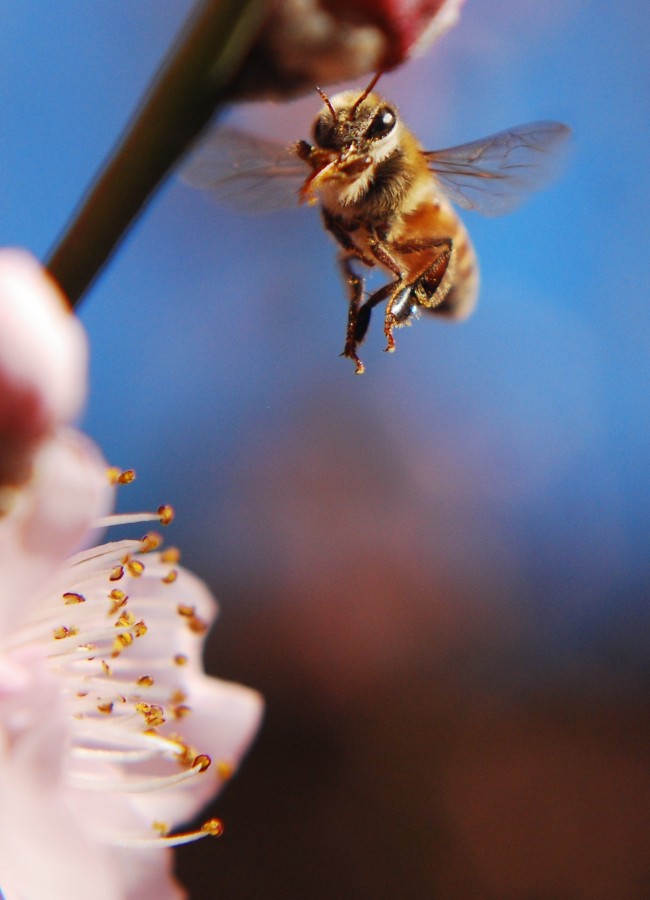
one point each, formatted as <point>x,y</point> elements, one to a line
<point>385,200</point>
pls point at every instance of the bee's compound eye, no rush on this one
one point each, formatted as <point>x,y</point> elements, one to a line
<point>323,132</point>
<point>382,123</point>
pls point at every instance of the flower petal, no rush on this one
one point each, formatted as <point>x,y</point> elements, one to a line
<point>34,811</point>
<point>43,362</point>
<point>222,717</point>
<point>309,42</point>
<point>49,518</point>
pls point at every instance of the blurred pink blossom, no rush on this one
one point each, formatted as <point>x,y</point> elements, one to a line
<point>43,358</point>
<point>110,732</point>
<point>309,42</point>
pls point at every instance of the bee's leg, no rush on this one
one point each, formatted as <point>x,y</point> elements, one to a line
<point>355,289</point>
<point>427,282</point>
<point>400,307</point>
<point>344,238</point>
<point>420,244</point>
<point>427,285</point>
<point>363,316</point>
<point>381,248</point>
<point>404,296</point>
<point>402,304</point>
<point>382,254</point>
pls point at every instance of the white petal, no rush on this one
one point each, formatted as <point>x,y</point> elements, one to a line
<point>35,821</point>
<point>42,345</point>
<point>224,720</point>
<point>51,516</point>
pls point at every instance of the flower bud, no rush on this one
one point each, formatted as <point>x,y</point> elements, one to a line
<point>309,42</point>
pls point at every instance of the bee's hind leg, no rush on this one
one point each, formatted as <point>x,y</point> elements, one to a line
<point>420,291</point>
<point>363,313</point>
<point>401,306</point>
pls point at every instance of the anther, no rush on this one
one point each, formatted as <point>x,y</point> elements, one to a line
<point>151,541</point>
<point>166,514</point>
<point>64,632</point>
<point>225,770</point>
<point>171,555</point>
<point>134,567</point>
<point>213,827</point>
<point>119,476</point>
<point>203,762</point>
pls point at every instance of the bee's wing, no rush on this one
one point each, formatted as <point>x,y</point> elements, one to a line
<point>245,171</point>
<point>494,174</point>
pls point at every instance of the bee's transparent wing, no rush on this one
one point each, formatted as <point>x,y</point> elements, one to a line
<point>245,171</point>
<point>493,175</point>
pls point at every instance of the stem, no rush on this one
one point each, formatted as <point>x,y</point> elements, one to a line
<point>191,84</point>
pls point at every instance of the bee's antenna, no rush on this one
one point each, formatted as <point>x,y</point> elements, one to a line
<point>328,103</point>
<point>363,96</point>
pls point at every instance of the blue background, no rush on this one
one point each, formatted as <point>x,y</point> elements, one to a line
<point>470,518</point>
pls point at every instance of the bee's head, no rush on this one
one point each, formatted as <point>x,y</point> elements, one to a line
<point>352,134</point>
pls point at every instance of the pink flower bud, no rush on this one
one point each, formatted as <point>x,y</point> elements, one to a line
<point>309,42</point>
<point>43,360</point>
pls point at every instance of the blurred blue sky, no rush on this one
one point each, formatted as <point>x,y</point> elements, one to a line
<point>524,433</point>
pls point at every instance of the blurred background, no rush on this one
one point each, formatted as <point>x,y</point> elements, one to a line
<point>438,573</point>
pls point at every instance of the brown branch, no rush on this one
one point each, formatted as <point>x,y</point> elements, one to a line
<point>191,84</point>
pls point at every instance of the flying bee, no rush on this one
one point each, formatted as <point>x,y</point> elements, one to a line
<point>385,199</point>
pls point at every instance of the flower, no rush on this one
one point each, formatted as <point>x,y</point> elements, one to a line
<point>43,358</point>
<point>309,42</point>
<point>110,733</point>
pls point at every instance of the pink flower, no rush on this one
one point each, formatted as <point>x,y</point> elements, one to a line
<point>43,358</point>
<point>111,735</point>
<point>310,42</point>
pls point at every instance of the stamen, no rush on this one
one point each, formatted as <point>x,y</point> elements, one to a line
<point>166,514</point>
<point>64,632</point>
<point>171,555</point>
<point>97,558</point>
<point>194,623</point>
<point>116,705</point>
<point>211,828</point>
<point>134,567</point>
<point>138,786</point>
<point>151,541</point>
<point>151,713</point>
<point>118,599</point>
<point>117,476</point>
<point>114,756</point>
<point>129,518</point>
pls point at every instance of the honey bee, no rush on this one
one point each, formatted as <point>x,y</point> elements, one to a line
<point>385,200</point>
